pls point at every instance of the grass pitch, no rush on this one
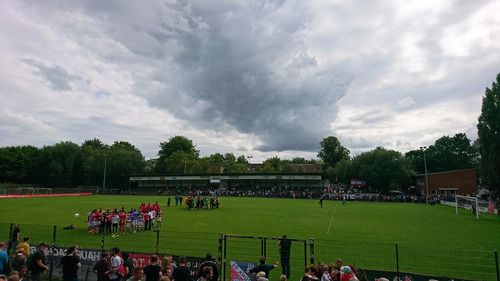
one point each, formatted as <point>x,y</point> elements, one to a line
<point>363,233</point>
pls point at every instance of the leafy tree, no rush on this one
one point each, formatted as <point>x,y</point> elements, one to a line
<point>59,165</point>
<point>123,159</point>
<point>332,152</point>
<point>150,166</point>
<point>242,160</point>
<point>382,169</point>
<point>446,154</point>
<point>451,153</point>
<point>174,144</point>
<point>272,164</point>
<point>235,165</point>
<point>180,162</point>
<point>341,173</point>
<point>17,164</point>
<point>93,153</point>
<point>237,168</point>
<point>229,159</point>
<point>489,136</point>
<point>217,159</point>
<point>285,166</point>
<point>299,160</point>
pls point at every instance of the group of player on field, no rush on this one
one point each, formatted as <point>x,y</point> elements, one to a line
<point>146,217</point>
<point>202,202</point>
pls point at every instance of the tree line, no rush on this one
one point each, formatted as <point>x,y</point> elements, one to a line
<point>67,164</point>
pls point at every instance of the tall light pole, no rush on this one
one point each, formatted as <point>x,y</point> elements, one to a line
<point>104,176</point>
<point>185,167</point>
<point>423,148</point>
<point>248,168</point>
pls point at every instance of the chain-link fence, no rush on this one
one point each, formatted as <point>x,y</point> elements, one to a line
<point>378,259</point>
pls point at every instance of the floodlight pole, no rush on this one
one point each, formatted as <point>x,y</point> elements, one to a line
<point>423,148</point>
<point>104,176</point>
<point>248,168</point>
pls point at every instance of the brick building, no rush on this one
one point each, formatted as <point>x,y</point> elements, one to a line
<point>461,182</point>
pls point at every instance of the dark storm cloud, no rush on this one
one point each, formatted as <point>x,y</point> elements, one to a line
<point>58,78</point>
<point>248,66</point>
<point>254,75</point>
<point>225,64</point>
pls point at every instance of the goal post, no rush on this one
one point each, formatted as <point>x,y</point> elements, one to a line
<point>467,202</point>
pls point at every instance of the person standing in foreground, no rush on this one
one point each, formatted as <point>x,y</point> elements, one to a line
<point>102,267</point>
<point>116,261</point>
<point>182,272</point>
<point>285,246</point>
<point>14,238</point>
<point>39,264</point>
<point>206,274</point>
<point>138,275</point>
<point>263,267</point>
<point>25,246</point>
<point>70,264</point>
<point>209,262</point>
<point>4,258</point>
<point>153,270</point>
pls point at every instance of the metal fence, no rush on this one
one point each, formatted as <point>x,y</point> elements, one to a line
<point>400,259</point>
<point>378,259</point>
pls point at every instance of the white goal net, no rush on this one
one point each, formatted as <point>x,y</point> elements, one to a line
<point>468,203</point>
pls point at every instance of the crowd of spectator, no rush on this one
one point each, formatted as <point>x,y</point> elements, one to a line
<point>337,192</point>
<point>25,265</point>
<point>118,266</point>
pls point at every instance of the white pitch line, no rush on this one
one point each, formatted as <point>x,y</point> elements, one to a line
<point>331,219</point>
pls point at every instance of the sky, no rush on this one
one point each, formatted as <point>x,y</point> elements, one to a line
<point>259,78</point>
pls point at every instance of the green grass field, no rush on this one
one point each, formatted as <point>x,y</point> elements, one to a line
<point>431,239</point>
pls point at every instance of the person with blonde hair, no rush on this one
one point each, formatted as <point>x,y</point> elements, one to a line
<point>167,266</point>
<point>25,246</point>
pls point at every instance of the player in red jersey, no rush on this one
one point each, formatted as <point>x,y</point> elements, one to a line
<point>123,217</point>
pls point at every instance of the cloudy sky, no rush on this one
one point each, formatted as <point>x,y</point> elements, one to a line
<point>259,78</point>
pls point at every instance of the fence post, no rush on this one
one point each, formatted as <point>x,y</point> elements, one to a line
<point>11,243</point>
<point>54,231</point>
<point>495,253</point>
<point>264,244</point>
<point>311,250</point>
<point>219,251</point>
<point>224,259</point>
<point>261,246</point>
<point>305,252</point>
<point>397,260</point>
<point>102,238</point>
<point>157,241</point>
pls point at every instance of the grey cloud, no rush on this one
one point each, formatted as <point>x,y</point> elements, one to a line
<point>372,117</point>
<point>245,66</point>
<point>58,78</point>
<point>361,144</point>
<point>225,65</point>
